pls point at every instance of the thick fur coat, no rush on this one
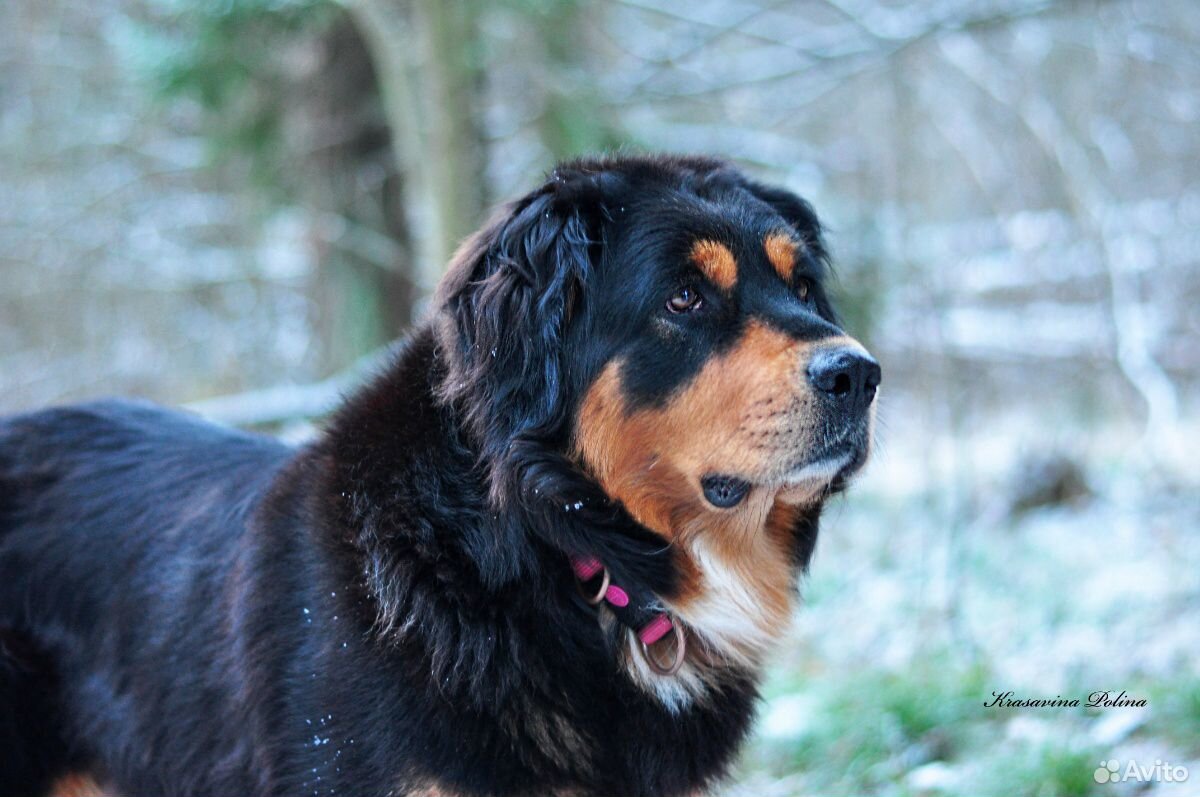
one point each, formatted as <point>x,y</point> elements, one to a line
<point>635,362</point>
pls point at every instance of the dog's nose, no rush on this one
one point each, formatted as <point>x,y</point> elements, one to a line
<point>850,376</point>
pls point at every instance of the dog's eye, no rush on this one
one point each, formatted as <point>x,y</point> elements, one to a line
<point>685,300</point>
<point>803,288</point>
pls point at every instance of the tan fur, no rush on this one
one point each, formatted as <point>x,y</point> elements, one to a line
<point>781,251</point>
<point>749,413</point>
<point>556,737</point>
<point>77,784</point>
<point>427,790</point>
<point>716,262</point>
<point>435,790</point>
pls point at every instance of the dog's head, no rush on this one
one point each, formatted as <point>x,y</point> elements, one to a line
<point>666,318</point>
<point>664,322</point>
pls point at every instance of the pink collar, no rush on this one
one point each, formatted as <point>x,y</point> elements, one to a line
<point>644,617</point>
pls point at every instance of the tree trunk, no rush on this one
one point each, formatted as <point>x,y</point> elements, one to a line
<point>424,53</point>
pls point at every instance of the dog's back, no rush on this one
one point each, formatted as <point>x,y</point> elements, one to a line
<point>109,511</point>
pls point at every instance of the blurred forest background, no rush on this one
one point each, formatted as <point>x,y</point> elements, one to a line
<point>235,204</point>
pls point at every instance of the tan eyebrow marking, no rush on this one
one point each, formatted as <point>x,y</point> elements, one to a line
<point>717,263</point>
<point>781,251</point>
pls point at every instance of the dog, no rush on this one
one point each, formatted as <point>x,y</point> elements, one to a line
<point>545,551</point>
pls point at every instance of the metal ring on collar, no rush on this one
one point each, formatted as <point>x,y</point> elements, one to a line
<point>680,653</point>
<point>605,580</point>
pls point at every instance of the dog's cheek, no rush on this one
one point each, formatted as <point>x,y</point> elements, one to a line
<point>624,452</point>
<point>749,410</point>
<point>745,414</point>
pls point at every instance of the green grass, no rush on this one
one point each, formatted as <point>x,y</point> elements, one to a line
<point>1175,712</point>
<point>869,727</point>
<point>1053,770</point>
<point>874,725</point>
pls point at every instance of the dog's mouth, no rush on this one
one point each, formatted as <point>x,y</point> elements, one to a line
<point>798,482</point>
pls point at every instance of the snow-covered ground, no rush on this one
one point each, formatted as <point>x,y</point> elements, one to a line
<point>930,591</point>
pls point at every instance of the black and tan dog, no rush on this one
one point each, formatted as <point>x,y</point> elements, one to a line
<point>632,393</point>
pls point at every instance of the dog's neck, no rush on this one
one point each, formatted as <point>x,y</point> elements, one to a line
<point>397,449</point>
<point>737,596</point>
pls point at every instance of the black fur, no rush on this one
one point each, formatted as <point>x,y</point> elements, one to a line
<point>188,610</point>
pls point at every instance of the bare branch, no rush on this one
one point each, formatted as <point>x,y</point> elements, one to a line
<point>286,403</point>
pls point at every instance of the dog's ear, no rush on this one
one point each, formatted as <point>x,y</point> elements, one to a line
<point>504,308</point>
<point>505,305</point>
